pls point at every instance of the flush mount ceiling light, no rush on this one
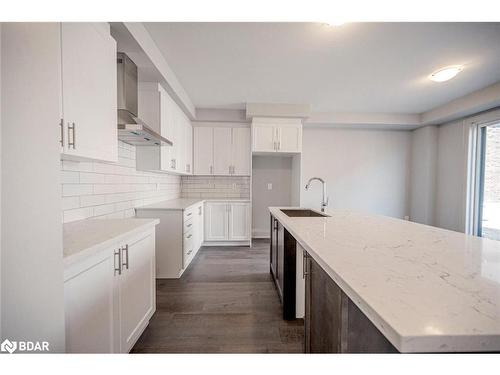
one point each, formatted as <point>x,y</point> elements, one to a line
<point>445,74</point>
<point>334,23</point>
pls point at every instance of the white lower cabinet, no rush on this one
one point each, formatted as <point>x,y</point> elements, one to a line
<point>227,222</point>
<point>136,290</point>
<point>90,308</point>
<point>178,237</point>
<point>110,297</point>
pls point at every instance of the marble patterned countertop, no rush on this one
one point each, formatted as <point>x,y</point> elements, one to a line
<point>184,203</point>
<point>426,289</point>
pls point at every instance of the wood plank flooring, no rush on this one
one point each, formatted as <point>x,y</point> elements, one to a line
<point>225,302</point>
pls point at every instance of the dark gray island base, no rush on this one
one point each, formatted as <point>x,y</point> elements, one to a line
<point>332,322</point>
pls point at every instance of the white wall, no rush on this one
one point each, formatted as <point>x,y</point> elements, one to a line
<point>424,148</point>
<point>269,169</point>
<point>366,170</point>
<point>451,180</point>
<point>32,262</point>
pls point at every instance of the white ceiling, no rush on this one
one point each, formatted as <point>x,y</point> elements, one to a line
<point>359,67</point>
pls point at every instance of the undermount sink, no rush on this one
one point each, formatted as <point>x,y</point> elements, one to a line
<point>303,213</point>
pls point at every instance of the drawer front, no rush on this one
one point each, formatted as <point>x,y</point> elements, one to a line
<point>188,224</point>
<point>188,252</point>
<point>189,213</point>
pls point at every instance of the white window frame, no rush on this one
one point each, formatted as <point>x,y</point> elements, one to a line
<point>476,126</point>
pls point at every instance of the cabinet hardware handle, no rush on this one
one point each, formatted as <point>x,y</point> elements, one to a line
<point>189,225</point>
<point>190,251</point>
<point>279,145</point>
<point>211,170</point>
<point>304,265</point>
<point>126,256</point>
<point>71,128</point>
<point>189,214</point>
<point>189,236</point>
<point>61,124</point>
<point>199,210</point>
<point>229,169</point>
<point>119,269</point>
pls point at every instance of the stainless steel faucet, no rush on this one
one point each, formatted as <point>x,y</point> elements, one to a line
<point>324,201</point>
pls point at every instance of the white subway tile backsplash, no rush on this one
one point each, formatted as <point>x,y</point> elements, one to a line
<point>70,177</point>
<point>106,190</point>
<point>91,178</point>
<point>77,214</point>
<point>215,187</point>
<point>69,203</point>
<point>69,190</point>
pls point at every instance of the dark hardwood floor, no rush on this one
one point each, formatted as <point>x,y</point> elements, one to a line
<point>225,302</point>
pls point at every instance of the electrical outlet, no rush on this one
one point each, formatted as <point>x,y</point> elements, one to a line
<point>269,186</point>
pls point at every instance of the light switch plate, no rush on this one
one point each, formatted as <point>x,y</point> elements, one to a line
<point>269,186</point>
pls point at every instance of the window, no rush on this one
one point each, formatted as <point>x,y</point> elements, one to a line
<point>485,197</point>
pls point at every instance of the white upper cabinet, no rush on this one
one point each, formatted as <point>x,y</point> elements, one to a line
<point>276,135</point>
<point>89,92</point>
<point>203,143</point>
<point>264,138</point>
<point>162,114</point>
<point>222,151</point>
<point>289,138</point>
<point>241,152</point>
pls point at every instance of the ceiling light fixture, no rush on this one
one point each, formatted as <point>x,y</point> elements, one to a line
<point>334,23</point>
<point>445,74</point>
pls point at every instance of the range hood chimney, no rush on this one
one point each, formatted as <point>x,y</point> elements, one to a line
<point>131,129</point>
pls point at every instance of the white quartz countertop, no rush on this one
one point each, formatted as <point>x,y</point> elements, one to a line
<point>85,237</point>
<point>184,203</point>
<point>426,289</point>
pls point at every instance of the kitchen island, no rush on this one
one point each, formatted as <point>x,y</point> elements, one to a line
<point>398,285</point>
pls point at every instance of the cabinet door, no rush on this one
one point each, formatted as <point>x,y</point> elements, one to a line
<point>90,310</point>
<point>263,138</point>
<point>216,225</point>
<point>241,151</point>
<point>180,136</point>
<point>239,216</point>
<point>289,139</point>
<point>198,227</point>
<point>323,311</point>
<point>203,150</point>
<point>222,151</point>
<point>137,290</point>
<point>167,125</point>
<point>89,91</point>
<point>188,149</point>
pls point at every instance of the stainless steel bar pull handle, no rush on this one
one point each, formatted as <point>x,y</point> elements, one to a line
<point>304,265</point>
<point>61,124</point>
<point>126,256</point>
<point>119,268</point>
<point>71,129</point>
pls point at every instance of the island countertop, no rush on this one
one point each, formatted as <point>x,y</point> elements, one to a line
<point>426,289</point>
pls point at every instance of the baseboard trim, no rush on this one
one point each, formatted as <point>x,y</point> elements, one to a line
<point>226,243</point>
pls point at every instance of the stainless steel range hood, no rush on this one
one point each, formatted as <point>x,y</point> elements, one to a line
<point>131,129</point>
